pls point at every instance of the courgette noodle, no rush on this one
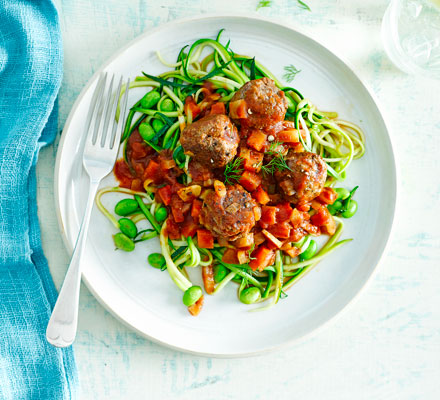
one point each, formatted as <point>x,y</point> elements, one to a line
<point>337,141</point>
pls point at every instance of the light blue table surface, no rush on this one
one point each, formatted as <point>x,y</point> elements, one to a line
<point>387,346</point>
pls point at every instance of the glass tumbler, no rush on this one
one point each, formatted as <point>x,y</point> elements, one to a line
<point>411,36</point>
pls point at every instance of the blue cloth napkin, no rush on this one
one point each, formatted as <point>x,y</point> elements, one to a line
<point>30,76</point>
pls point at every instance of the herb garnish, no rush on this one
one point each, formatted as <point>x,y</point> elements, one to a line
<point>277,163</point>
<point>268,3</point>
<point>290,72</point>
<point>233,171</point>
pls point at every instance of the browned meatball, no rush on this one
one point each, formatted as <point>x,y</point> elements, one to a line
<point>266,105</point>
<point>306,179</point>
<point>212,140</point>
<point>231,216</point>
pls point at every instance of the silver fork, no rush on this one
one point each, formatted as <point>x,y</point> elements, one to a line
<point>100,152</point>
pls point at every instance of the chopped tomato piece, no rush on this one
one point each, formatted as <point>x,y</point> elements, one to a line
<point>259,238</point>
<point>297,147</point>
<point>136,185</point>
<point>327,196</point>
<point>230,256</point>
<point>220,188</point>
<point>296,218</point>
<point>189,227</point>
<point>290,250</point>
<point>192,110</point>
<point>238,109</point>
<point>250,181</point>
<point>316,205</point>
<point>177,208</point>
<point>296,234</point>
<point>263,257</point>
<point>205,239</point>
<point>284,212</point>
<point>321,217</point>
<point>252,160</point>
<point>218,108</point>
<point>303,206</point>
<point>208,279</point>
<point>311,229</point>
<point>245,241</point>
<point>256,140</point>
<point>277,243</point>
<point>173,229</point>
<point>330,227</point>
<point>152,171</point>
<point>288,136</point>
<point>196,307</point>
<point>165,194</point>
<point>281,230</point>
<point>257,213</point>
<point>261,195</point>
<point>268,215</point>
<point>196,208</point>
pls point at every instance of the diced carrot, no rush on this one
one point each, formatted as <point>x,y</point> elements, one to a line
<point>330,227</point>
<point>245,241</point>
<point>327,196</point>
<point>196,307</point>
<point>250,181</point>
<point>261,195</point>
<point>189,227</point>
<point>152,171</point>
<point>230,256</point>
<point>277,243</point>
<point>165,194</point>
<point>321,217</point>
<point>208,278</point>
<point>268,215</point>
<point>252,160</point>
<point>256,140</point>
<point>311,229</point>
<point>296,218</point>
<point>262,258</point>
<point>205,239</point>
<point>303,206</point>
<point>284,212</point>
<point>288,136</point>
<point>281,230</point>
<point>316,205</point>
<point>238,109</point>
<point>243,256</point>
<point>191,109</point>
<point>220,188</point>
<point>196,208</point>
<point>218,108</point>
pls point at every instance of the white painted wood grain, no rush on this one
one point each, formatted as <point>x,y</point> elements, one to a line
<point>387,346</point>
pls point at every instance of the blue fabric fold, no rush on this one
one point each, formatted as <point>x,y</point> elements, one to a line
<point>31,62</point>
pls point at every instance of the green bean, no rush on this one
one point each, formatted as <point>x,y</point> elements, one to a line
<point>150,99</point>
<point>342,193</point>
<point>147,213</point>
<point>191,295</point>
<point>310,251</point>
<point>220,272</point>
<point>126,207</point>
<point>123,242</point>
<point>128,227</point>
<point>167,105</point>
<point>250,295</point>
<point>157,124</point>
<point>146,131</point>
<point>161,214</point>
<point>351,209</point>
<point>156,260</point>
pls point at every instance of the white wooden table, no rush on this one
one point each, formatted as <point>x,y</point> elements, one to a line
<point>387,346</point>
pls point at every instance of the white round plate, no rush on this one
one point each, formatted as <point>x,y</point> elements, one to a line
<point>145,298</point>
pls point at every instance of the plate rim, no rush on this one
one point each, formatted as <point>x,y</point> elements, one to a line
<point>256,18</point>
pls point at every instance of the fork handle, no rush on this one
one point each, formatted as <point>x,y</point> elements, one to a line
<point>61,330</point>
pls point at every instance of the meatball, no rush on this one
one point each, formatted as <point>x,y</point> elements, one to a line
<point>306,177</point>
<point>231,216</point>
<point>212,140</point>
<point>266,105</point>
